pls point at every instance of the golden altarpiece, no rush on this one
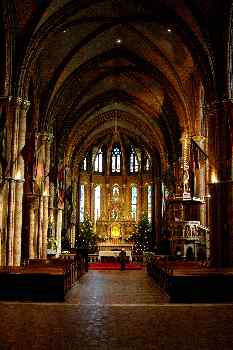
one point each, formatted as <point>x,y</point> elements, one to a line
<point>117,192</point>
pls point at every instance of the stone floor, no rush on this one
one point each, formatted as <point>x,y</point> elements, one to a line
<point>115,310</point>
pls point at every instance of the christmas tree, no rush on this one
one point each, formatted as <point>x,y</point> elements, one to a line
<point>142,238</point>
<point>85,235</point>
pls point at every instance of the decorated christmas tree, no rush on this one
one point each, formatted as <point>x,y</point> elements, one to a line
<point>85,235</point>
<point>142,238</point>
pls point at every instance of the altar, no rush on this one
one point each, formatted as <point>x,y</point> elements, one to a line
<point>113,253</point>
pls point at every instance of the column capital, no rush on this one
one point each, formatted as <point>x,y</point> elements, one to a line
<point>4,99</point>
<point>45,136</point>
<point>12,179</point>
<point>16,101</point>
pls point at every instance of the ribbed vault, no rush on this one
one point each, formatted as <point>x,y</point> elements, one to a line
<point>88,59</point>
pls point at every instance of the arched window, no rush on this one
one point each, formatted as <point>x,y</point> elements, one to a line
<point>148,163</point>
<point>116,160</point>
<point>97,202</point>
<point>99,162</point>
<point>85,164</point>
<point>82,203</point>
<point>134,166</point>
<point>149,202</point>
<point>134,194</point>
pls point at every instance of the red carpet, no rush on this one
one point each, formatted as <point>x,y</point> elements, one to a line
<point>113,266</point>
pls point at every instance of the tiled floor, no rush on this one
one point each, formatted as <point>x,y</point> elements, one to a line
<point>116,287</point>
<point>115,310</point>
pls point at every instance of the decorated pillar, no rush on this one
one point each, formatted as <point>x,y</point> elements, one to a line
<point>221,182</point>
<point>13,115</point>
<point>45,194</point>
<point>73,218</point>
<point>59,229</point>
<point>31,249</point>
<point>40,227</point>
<point>43,166</point>
<point>24,105</point>
<point>185,141</point>
<point>16,113</point>
<point>5,149</point>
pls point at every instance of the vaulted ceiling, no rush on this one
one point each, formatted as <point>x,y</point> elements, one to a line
<point>90,62</point>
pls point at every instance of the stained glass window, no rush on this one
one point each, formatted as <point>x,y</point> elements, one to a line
<point>134,202</point>
<point>97,202</point>
<point>134,166</point>
<point>148,162</point>
<point>82,203</point>
<point>116,160</point>
<point>99,162</point>
<point>85,164</point>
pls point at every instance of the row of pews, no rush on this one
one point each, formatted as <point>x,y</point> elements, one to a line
<point>39,279</point>
<point>191,281</point>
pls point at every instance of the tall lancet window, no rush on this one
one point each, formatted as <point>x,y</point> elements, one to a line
<point>82,203</point>
<point>99,162</point>
<point>116,160</point>
<point>133,162</point>
<point>148,163</point>
<point>85,164</point>
<point>134,194</point>
<point>149,202</point>
<point>97,202</point>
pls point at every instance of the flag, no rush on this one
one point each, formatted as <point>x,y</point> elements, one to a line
<point>196,155</point>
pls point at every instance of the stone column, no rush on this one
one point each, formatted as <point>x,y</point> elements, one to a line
<point>221,183</point>
<point>40,228</point>
<point>13,115</point>
<point>140,208</point>
<point>51,199</point>
<point>18,222</point>
<point>3,102</point>
<point>74,211</point>
<point>10,222</point>
<point>32,254</point>
<point>19,182</point>
<point>45,194</point>
<point>58,230</point>
<point>17,115</point>
<point>88,200</point>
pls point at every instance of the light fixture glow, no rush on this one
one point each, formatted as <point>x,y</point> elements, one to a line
<point>214,178</point>
<point>18,175</point>
<point>118,41</point>
<point>169,30</point>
